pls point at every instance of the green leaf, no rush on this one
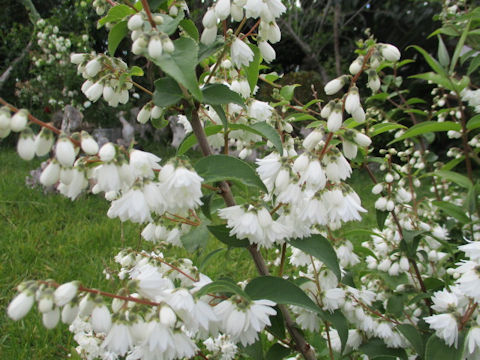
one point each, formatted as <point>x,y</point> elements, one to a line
<point>436,78</point>
<point>196,238</point>
<point>170,25</point>
<point>300,117</point>
<point>474,122</point>
<point>222,233</point>
<point>319,247</point>
<point>208,50</point>
<point>459,47</point>
<point>376,348</point>
<point>255,350</point>
<point>277,326</point>
<point>221,114</point>
<point>181,64</point>
<point>208,258</point>
<point>287,91</point>
<point>474,64</point>
<point>269,133</point>
<point>453,210</point>
<point>455,177</point>
<point>189,27</point>
<point>159,123</point>
<point>167,92</point>
<point>471,201</point>
<point>220,94</point>
<point>115,14</point>
<point>426,127</point>
<point>415,100</point>
<point>215,168</point>
<point>452,163</point>
<point>280,291</point>
<point>410,241</point>
<point>135,71</point>
<point>413,336</point>
<point>191,139</point>
<point>395,305</point>
<point>433,63</point>
<point>443,56</point>
<point>378,129</point>
<point>381,217</point>
<point>436,349</point>
<point>116,35</point>
<point>253,68</point>
<point>222,286</point>
<point>277,352</point>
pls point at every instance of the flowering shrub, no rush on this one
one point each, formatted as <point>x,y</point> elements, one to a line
<point>407,289</point>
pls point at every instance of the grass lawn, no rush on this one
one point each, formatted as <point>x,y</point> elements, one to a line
<point>50,237</point>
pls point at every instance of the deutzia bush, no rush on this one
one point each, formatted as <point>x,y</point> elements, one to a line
<point>408,288</point>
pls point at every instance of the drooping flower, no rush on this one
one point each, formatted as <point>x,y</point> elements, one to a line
<point>445,326</point>
<point>241,53</point>
<point>20,305</point>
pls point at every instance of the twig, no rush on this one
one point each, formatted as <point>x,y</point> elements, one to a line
<point>146,7</point>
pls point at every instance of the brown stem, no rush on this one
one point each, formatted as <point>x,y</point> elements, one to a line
<point>111,2</point>
<point>37,121</point>
<point>468,314</point>
<point>146,7</point>
<point>159,259</point>
<point>465,145</point>
<point>262,269</point>
<point>250,32</point>
<point>282,260</point>
<point>142,88</point>
<point>330,351</point>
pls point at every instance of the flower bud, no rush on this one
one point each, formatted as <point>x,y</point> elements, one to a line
<point>144,114</point>
<point>267,51</point>
<point>156,112</point>
<point>107,152</point>
<point>362,139</point>
<point>167,316</point>
<point>222,9</point>
<point>26,145</point>
<point>77,59</point>
<point>352,102</point>
<point>135,22</point>
<point>209,19</point>
<point>50,319</point>
<point>209,35</point>
<point>94,92</point>
<point>88,144</point>
<point>139,46</point>
<point>359,115</point>
<point>373,81</point>
<point>356,66</point>
<point>377,189</point>
<point>168,45</point>
<point>20,305</point>
<point>50,174</point>
<point>335,119</point>
<point>155,47</point>
<point>4,120</point>
<point>312,139</point>
<point>93,67</point>
<point>334,86</point>
<point>349,149</point>
<point>327,109</point>
<point>65,152</point>
<point>18,122</point>
<point>101,319</point>
<point>65,293</point>
<point>69,313</point>
<point>390,52</point>
<point>44,142</point>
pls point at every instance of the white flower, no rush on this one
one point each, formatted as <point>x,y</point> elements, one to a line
<point>356,66</point>
<point>94,92</point>
<point>473,340</point>
<point>131,206</point>
<point>242,87</point>
<point>222,9</point>
<point>20,305</point>
<point>65,152</point>
<point>75,187</point>
<point>155,50</point>
<point>135,22</point>
<point>50,174</point>
<point>254,8</point>
<point>334,86</point>
<point>43,142</point>
<point>65,293</point>
<point>269,31</point>
<point>209,20</point>
<point>349,149</point>
<point>101,319</point>
<point>267,51</point>
<point>472,250</point>
<point>119,340</point>
<point>107,177</point>
<point>390,52</point>
<point>260,110</point>
<point>362,139</point>
<point>4,120</point>
<point>445,326</point>
<point>107,152</point>
<point>69,313</point>
<point>209,34</point>
<point>312,139</point>
<point>151,283</point>
<point>92,68</point>
<point>240,52</point>
<point>352,102</point>
<point>143,164</point>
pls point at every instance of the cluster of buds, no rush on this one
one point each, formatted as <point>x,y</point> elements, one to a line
<point>103,76</point>
<point>147,38</point>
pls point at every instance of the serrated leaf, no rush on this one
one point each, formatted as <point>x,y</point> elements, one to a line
<point>381,216</point>
<point>255,350</point>
<point>116,35</point>
<point>180,65</point>
<point>455,177</point>
<point>433,63</point>
<point>277,352</point>
<point>319,247</point>
<point>453,210</point>
<point>208,50</point>
<point>191,139</point>
<point>208,258</point>
<point>474,64</point>
<point>426,127</point>
<point>413,336</point>
<point>222,233</point>
<point>195,239</point>
<point>474,122</point>
<point>376,348</point>
<point>253,69</point>
<point>287,91</point>
<point>378,129</point>
<point>170,25</point>
<point>442,53</point>
<point>222,286</point>
<point>215,168</point>
<point>189,27</point>
<point>435,78</point>
<point>115,14</point>
<point>436,349</point>
<point>269,133</point>
<point>220,94</point>
<point>167,92</point>
<point>135,71</point>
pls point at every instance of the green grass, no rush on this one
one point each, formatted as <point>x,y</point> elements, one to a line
<point>50,237</point>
